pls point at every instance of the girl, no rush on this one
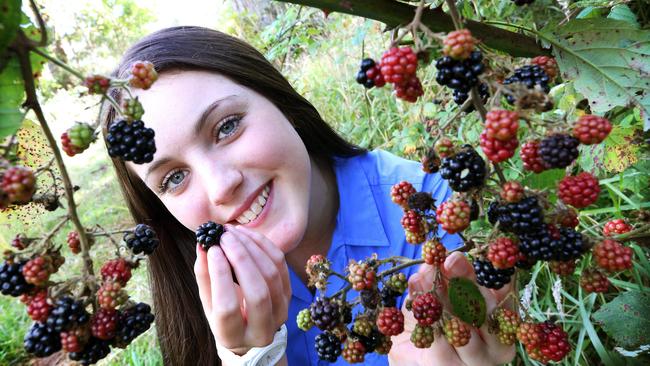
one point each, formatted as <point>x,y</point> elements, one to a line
<point>237,145</point>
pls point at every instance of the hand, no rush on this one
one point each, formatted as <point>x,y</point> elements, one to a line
<point>249,314</point>
<point>483,347</point>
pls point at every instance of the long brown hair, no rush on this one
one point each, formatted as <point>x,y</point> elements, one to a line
<point>183,331</point>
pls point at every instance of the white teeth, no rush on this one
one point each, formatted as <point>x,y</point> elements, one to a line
<point>255,209</point>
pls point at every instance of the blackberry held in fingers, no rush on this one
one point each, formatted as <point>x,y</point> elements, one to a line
<point>209,234</point>
<point>131,142</point>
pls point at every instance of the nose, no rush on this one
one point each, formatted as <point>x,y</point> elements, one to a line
<point>220,181</point>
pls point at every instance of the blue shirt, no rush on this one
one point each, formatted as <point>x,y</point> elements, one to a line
<point>367,222</point>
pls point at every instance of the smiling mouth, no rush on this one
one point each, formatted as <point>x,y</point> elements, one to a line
<point>256,207</point>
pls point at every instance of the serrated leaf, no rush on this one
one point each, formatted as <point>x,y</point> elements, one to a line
<point>10,15</point>
<point>608,60</point>
<point>626,318</point>
<point>466,300</point>
<point>623,12</point>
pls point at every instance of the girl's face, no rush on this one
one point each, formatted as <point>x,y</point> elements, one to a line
<point>225,154</point>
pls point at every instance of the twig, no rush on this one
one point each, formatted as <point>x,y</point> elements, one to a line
<point>59,63</point>
<point>55,229</point>
<point>455,17</point>
<point>41,25</point>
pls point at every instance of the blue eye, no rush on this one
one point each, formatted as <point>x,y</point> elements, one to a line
<point>228,127</point>
<point>172,181</point>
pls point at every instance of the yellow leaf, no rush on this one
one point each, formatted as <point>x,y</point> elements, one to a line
<point>620,157</point>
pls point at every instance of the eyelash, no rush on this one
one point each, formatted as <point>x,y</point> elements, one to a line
<point>162,187</point>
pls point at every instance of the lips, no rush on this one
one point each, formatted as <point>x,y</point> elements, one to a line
<point>255,208</point>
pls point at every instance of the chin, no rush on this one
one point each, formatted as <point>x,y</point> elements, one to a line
<point>287,236</point>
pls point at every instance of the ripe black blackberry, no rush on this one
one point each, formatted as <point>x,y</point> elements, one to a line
<point>388,297</point>
<point>518,217</point>
<point>131,142</point>
<point>475,210</point>
<point>41,341</point>
<point>370,342</point>
<point>461,96</point>
<point>464,170</point>
<point>131,323</point>
<point>571,245</point>
<point>538,244</point>
<point>490,277</point>
<point>95,350</point>
<point>141,240</point>
<point>460,75</point>
<point>209,234</point>
<point>328,346</point>
<point>325,313</point>
<point>12,281</point>
<point>531,76</point>
<point>66,314</point>
<point>558,151</point>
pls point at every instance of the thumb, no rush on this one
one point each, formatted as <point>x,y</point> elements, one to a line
<point>423,279</point>
<point>457,265</point>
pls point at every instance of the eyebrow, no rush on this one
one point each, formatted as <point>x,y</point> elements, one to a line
<point>198,127</point>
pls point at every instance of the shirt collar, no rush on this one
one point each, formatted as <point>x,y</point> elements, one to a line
<point>358,221</point>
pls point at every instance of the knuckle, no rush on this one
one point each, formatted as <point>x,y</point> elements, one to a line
<point>260,299</point>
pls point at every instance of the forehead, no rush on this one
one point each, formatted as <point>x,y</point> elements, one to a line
<point>175,101</point>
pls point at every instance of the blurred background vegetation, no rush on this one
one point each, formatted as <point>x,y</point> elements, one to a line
<point>320,56</point>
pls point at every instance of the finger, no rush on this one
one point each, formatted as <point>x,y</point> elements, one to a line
<point>457,265</point>
<point>276,255</point>
<point>422,280</point>
<point>270,273</point>
<point>203,280</point>
<point>474,352</point>
<point>256,292</point>
<point>225,312</point>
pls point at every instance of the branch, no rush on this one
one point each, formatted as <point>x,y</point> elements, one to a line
<point>41,25</point>
<point>23,46</point>
<point>394,14</point>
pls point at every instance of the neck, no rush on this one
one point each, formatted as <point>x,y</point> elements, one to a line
<point>323,207</point>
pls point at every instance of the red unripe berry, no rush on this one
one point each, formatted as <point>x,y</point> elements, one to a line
<point>97,84</point>
<point>496,150</point>
<point>594,280</point>
<point>74,339</point>
<point>19,184</point>
<point>412,221</point>
<point>531,158</point>
<point>504,253</point>
<point>501,125</point>
<point>73,242</point>
<point>362,276</point>
<point>433,252</point>
<point>118,270</point>
<point>612,256</point>
<point>18,242</point>
<point>454,216</point>
<point>38,306</point>
<point>457,332</point>
<point>38,270</point>
<point>590,129</point>
<point>458,44</point>
<point>512,191</point>
<point>565,268</point>
<point>426,308</point>
<point>579,191</point>
<point>444,147</point>
<point>401,192</point>
<point>410,90</point>
<point>616,227</point>
<point>390,321</point>
<point>556,344</point>
<point>143,75</point>
<point>104,323</point>
<point>398,65</point>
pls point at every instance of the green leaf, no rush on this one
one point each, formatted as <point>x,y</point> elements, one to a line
<point>9,23</point>
<point>623,12</point>
<point>547,179</point>
<point>608,60</point>
<point>626,318</point>
<point>466,300</point>
<point>11,90</point>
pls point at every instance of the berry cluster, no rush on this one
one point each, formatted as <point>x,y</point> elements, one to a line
<point>17,185</point>
<point>464,170</point>
<point>532,76</point>
<point>141,240</point>
<point>143,75</point>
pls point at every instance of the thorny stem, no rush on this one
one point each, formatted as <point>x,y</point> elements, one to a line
<point>54,230</point>
<point>41,25</point>
<point>22,48</point>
